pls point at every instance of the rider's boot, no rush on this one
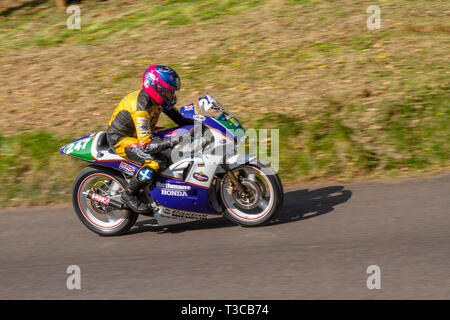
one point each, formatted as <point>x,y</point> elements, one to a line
<point>130,195</point>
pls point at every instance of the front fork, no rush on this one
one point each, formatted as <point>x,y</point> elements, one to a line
<point>235,182</point>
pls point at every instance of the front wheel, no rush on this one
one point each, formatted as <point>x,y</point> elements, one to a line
<point>97,217</point>
<point>263,196</point>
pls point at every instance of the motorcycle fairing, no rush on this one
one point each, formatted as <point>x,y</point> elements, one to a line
<point>171,132</point>
<point>188,112</point>
<point>96,150</point>
<point>196,200</point>
<point>79,148</point>
<point>176,194</point>
<point>182,188</point>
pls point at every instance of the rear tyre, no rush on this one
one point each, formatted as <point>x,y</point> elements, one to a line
<point>264,195</point>
<point>97,217</point>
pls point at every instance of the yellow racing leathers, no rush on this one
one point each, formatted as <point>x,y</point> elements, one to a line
<point>130,132</point>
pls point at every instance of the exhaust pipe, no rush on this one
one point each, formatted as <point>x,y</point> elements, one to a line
<point>102,199</point>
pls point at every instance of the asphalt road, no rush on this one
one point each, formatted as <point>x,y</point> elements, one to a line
<point>319,249</point>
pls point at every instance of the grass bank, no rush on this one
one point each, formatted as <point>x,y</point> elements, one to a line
<point>407,138</point>
<point>350,102</point>
<point>32,170</point>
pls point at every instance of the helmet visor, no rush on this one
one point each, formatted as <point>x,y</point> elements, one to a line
<point>169,96</point>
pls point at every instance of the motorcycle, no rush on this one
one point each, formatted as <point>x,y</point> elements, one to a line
<point>205,178</point>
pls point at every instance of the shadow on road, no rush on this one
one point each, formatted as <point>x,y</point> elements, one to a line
<point>306,204</point>
<point>298,205</point>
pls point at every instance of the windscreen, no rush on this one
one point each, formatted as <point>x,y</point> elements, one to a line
<point>210,107</point>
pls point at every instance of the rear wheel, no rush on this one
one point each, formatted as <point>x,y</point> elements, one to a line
<point>98,217</point>
<point>262,200</point>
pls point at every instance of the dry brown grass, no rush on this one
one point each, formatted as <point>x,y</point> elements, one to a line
<point>72,87</point>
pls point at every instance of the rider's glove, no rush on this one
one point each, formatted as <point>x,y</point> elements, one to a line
<point>157,144</point>
<point>185,138</point>
<point>176,140</point>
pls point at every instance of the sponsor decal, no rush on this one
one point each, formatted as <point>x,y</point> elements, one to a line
<point>151,76</point>
<point>143,126</point>
<point>223,141</point>
<point>189,107</point>
<point>145,175</point>
<point>234,121</point>
<point>170,134</point>
<point>177,193</point>
<point>100,198</point>
<point>178,214</point>
<point>127,168</point>
<point>199,117</point>
<point>146,83</point>
<point>142,120</point>
<point>172,186</point>
<point>200,176</point>
<point>143,133</point>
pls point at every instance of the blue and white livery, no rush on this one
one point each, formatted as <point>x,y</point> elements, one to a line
<point>206,178</point>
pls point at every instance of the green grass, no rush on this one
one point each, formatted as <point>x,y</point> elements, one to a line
<point>411,135</point>
<point>32,171</point>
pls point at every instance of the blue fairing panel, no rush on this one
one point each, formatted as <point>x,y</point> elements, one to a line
<point>188,111</point>
<point>175,194</point>
<point>167,133</point>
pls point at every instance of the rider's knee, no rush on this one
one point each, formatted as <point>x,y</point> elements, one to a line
<point>146,173</point>
<point>154,165</point>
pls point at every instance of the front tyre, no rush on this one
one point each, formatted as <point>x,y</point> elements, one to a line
<point>97,217</point>
<point>263,199</point>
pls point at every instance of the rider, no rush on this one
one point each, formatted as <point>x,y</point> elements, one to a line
<point>133,122</point>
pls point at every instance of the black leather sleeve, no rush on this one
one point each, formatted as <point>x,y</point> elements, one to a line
<point>176,117</point>
<point>143,101</point>
<point>156,145</point>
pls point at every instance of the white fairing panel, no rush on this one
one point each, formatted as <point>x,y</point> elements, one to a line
<point>103,153</point>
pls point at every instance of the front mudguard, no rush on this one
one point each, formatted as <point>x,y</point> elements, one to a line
<point>240,159</point>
